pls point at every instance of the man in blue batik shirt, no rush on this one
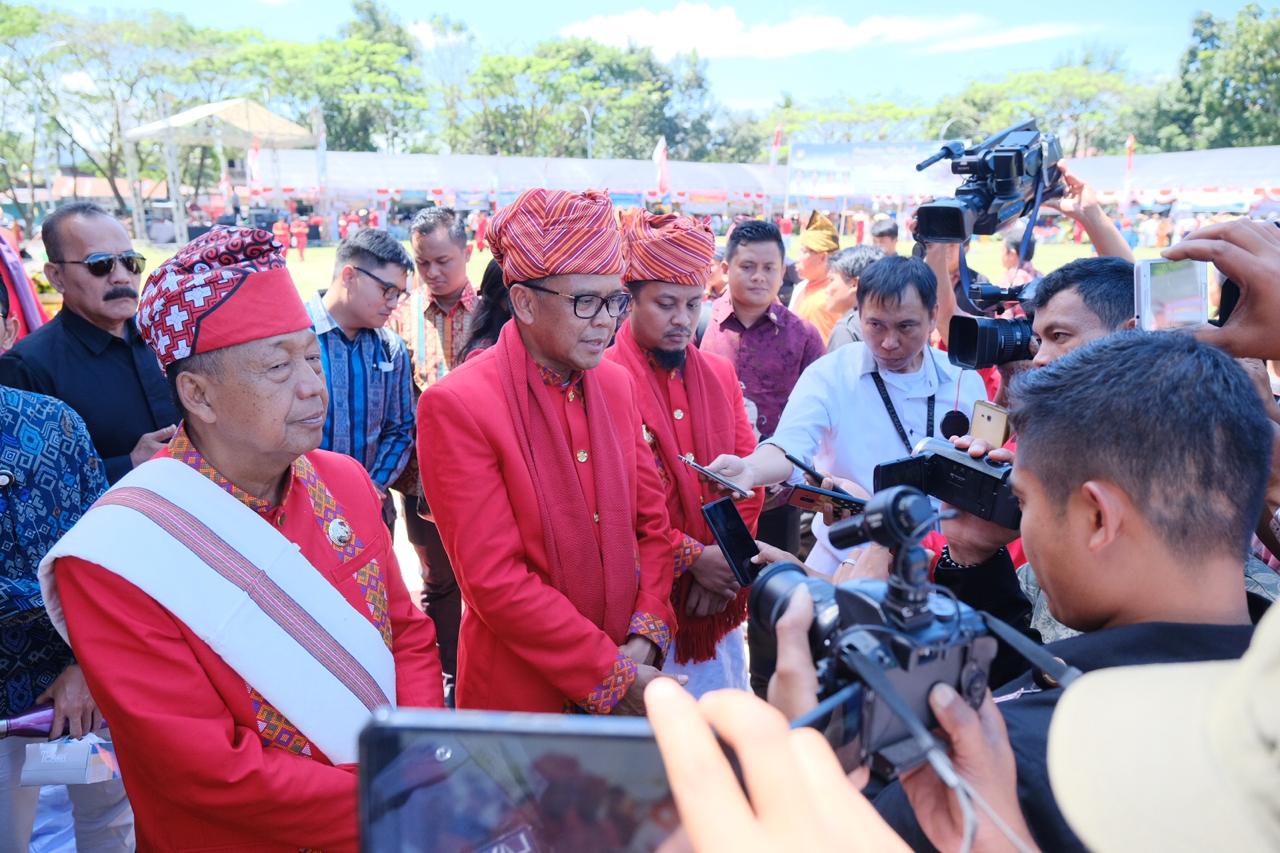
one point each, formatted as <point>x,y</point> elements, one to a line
<point>49,475</point>
<point>367,367</point>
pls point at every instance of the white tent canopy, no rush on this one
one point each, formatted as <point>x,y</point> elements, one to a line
<point>237,123</point>
<point>360,174</point>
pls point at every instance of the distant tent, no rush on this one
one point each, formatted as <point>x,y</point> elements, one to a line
<point>23,301</point>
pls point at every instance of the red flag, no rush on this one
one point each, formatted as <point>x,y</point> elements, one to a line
<point>775,147</point>
<point>1129,145</point>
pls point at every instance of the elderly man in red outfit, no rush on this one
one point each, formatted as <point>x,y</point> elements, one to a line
<point>235,601</point>
<point>691,404</point>
<point>546,495</point>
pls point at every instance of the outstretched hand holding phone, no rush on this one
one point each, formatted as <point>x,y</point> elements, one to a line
<point>1248,253</point>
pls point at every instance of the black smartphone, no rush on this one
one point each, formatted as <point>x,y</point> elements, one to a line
<point>735,540</point>
<point>486,781</point>
<point>711,475</point>
<point>812,473</point>
<point>811,499</point>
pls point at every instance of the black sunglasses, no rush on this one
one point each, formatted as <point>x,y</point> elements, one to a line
<point>100,264</point>
<point>587,306</point>
<point>388,289</point>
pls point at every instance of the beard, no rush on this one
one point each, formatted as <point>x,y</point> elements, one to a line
<point>668,359</point>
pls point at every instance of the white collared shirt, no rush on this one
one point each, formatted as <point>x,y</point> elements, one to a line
<point>836,418</point>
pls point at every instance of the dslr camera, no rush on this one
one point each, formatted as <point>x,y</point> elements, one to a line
<point>978,342</point>
<point>940,469</point>
<point>1004,173</point>
<point>879,648</point>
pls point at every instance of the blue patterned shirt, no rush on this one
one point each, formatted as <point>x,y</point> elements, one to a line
<point>371,406</point>
<point>49,475</point>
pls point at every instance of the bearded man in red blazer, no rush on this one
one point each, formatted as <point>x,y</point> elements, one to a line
<point>536,469</point>
<point>691,405</point>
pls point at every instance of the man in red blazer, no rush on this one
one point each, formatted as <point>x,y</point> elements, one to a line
<point>235,602</point>
<point>545,493</point>
<point>691,405</point>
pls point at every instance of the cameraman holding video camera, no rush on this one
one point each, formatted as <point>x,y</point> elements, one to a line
<point>1135,524</point>
<point>1080,203</point>
<point>1249,253</point>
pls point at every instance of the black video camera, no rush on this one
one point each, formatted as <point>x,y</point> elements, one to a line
<point>938,468</point>
<point>977,342</point>
<point>881,647</point>
<point>1004,172</point>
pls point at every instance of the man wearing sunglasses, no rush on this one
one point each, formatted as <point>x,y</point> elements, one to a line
<point>90,355</point>
<point>545,493</point>
<point>366,365</point>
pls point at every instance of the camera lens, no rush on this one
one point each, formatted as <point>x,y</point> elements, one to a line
<point>946,220</point>
<point>772,591</point>
<point>977,342</point>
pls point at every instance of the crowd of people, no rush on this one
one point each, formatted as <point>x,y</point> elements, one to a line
<point>202,474</point>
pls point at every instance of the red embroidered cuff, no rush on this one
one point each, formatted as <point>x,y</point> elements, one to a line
<point>687,553</point>
<point>653,629</point>
<point>615,685</point>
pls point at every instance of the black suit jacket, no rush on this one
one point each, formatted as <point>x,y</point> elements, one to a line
<point>114,384</point>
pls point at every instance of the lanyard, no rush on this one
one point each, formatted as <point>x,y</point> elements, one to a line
<point>893,413</point>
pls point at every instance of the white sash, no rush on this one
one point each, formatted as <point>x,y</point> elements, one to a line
<point>288,632</point>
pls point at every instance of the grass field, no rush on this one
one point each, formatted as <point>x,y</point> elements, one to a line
<point>315,272</point>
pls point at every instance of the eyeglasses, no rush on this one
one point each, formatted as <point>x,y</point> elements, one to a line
<point>100,264</point>
<point>388,289</point>
<point>587,305</point>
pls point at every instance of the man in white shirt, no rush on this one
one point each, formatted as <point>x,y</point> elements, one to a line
<point>869,402</point>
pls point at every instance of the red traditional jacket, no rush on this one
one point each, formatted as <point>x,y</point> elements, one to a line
<point>207,762</point>
<point>698,410</point>
<point>524,646</point>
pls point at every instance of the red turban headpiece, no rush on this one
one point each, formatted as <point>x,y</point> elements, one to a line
<point>555,232</point>
<point>665,248</point>
<point>227,287</point>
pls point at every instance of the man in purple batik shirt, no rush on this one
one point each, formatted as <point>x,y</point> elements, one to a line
<point>769,346</point>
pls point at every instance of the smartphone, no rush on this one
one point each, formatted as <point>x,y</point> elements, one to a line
<point>735,540</point>
<point>807,469</point>
<point>812,499</point>
<point>711,475</point>
<point>486,781</point>
<point>812,473</point>
<point>990,423</point>
<point>1171,294</point>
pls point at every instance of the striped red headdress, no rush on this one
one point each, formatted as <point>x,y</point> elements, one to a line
<point>555,232</point>
<point>226,287</point>
<point>670,248</point>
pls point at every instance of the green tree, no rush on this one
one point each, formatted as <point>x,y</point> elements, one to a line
<point>540,104</point>
<point>22,40</point>
<point>448,61</point>
<point>1090,106</point>
<point>1228,86</point>
<point>364,89</point>
<point>376,23</point>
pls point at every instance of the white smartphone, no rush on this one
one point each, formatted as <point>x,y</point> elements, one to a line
<point>1170,294</point>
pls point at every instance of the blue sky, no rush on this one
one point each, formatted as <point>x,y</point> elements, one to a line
<point>756,50</point>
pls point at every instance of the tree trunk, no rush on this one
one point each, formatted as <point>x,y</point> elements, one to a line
<point>204,152</point>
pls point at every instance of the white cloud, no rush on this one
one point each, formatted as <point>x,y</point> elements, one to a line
<point>717,32</point>
<point>275,2</point>
<point>1025,34</point>
<point>431,38</point>
<point>78,81</point>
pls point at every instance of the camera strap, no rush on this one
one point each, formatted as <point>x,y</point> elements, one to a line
<point>893,413</point>
<point>1056,672</point>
